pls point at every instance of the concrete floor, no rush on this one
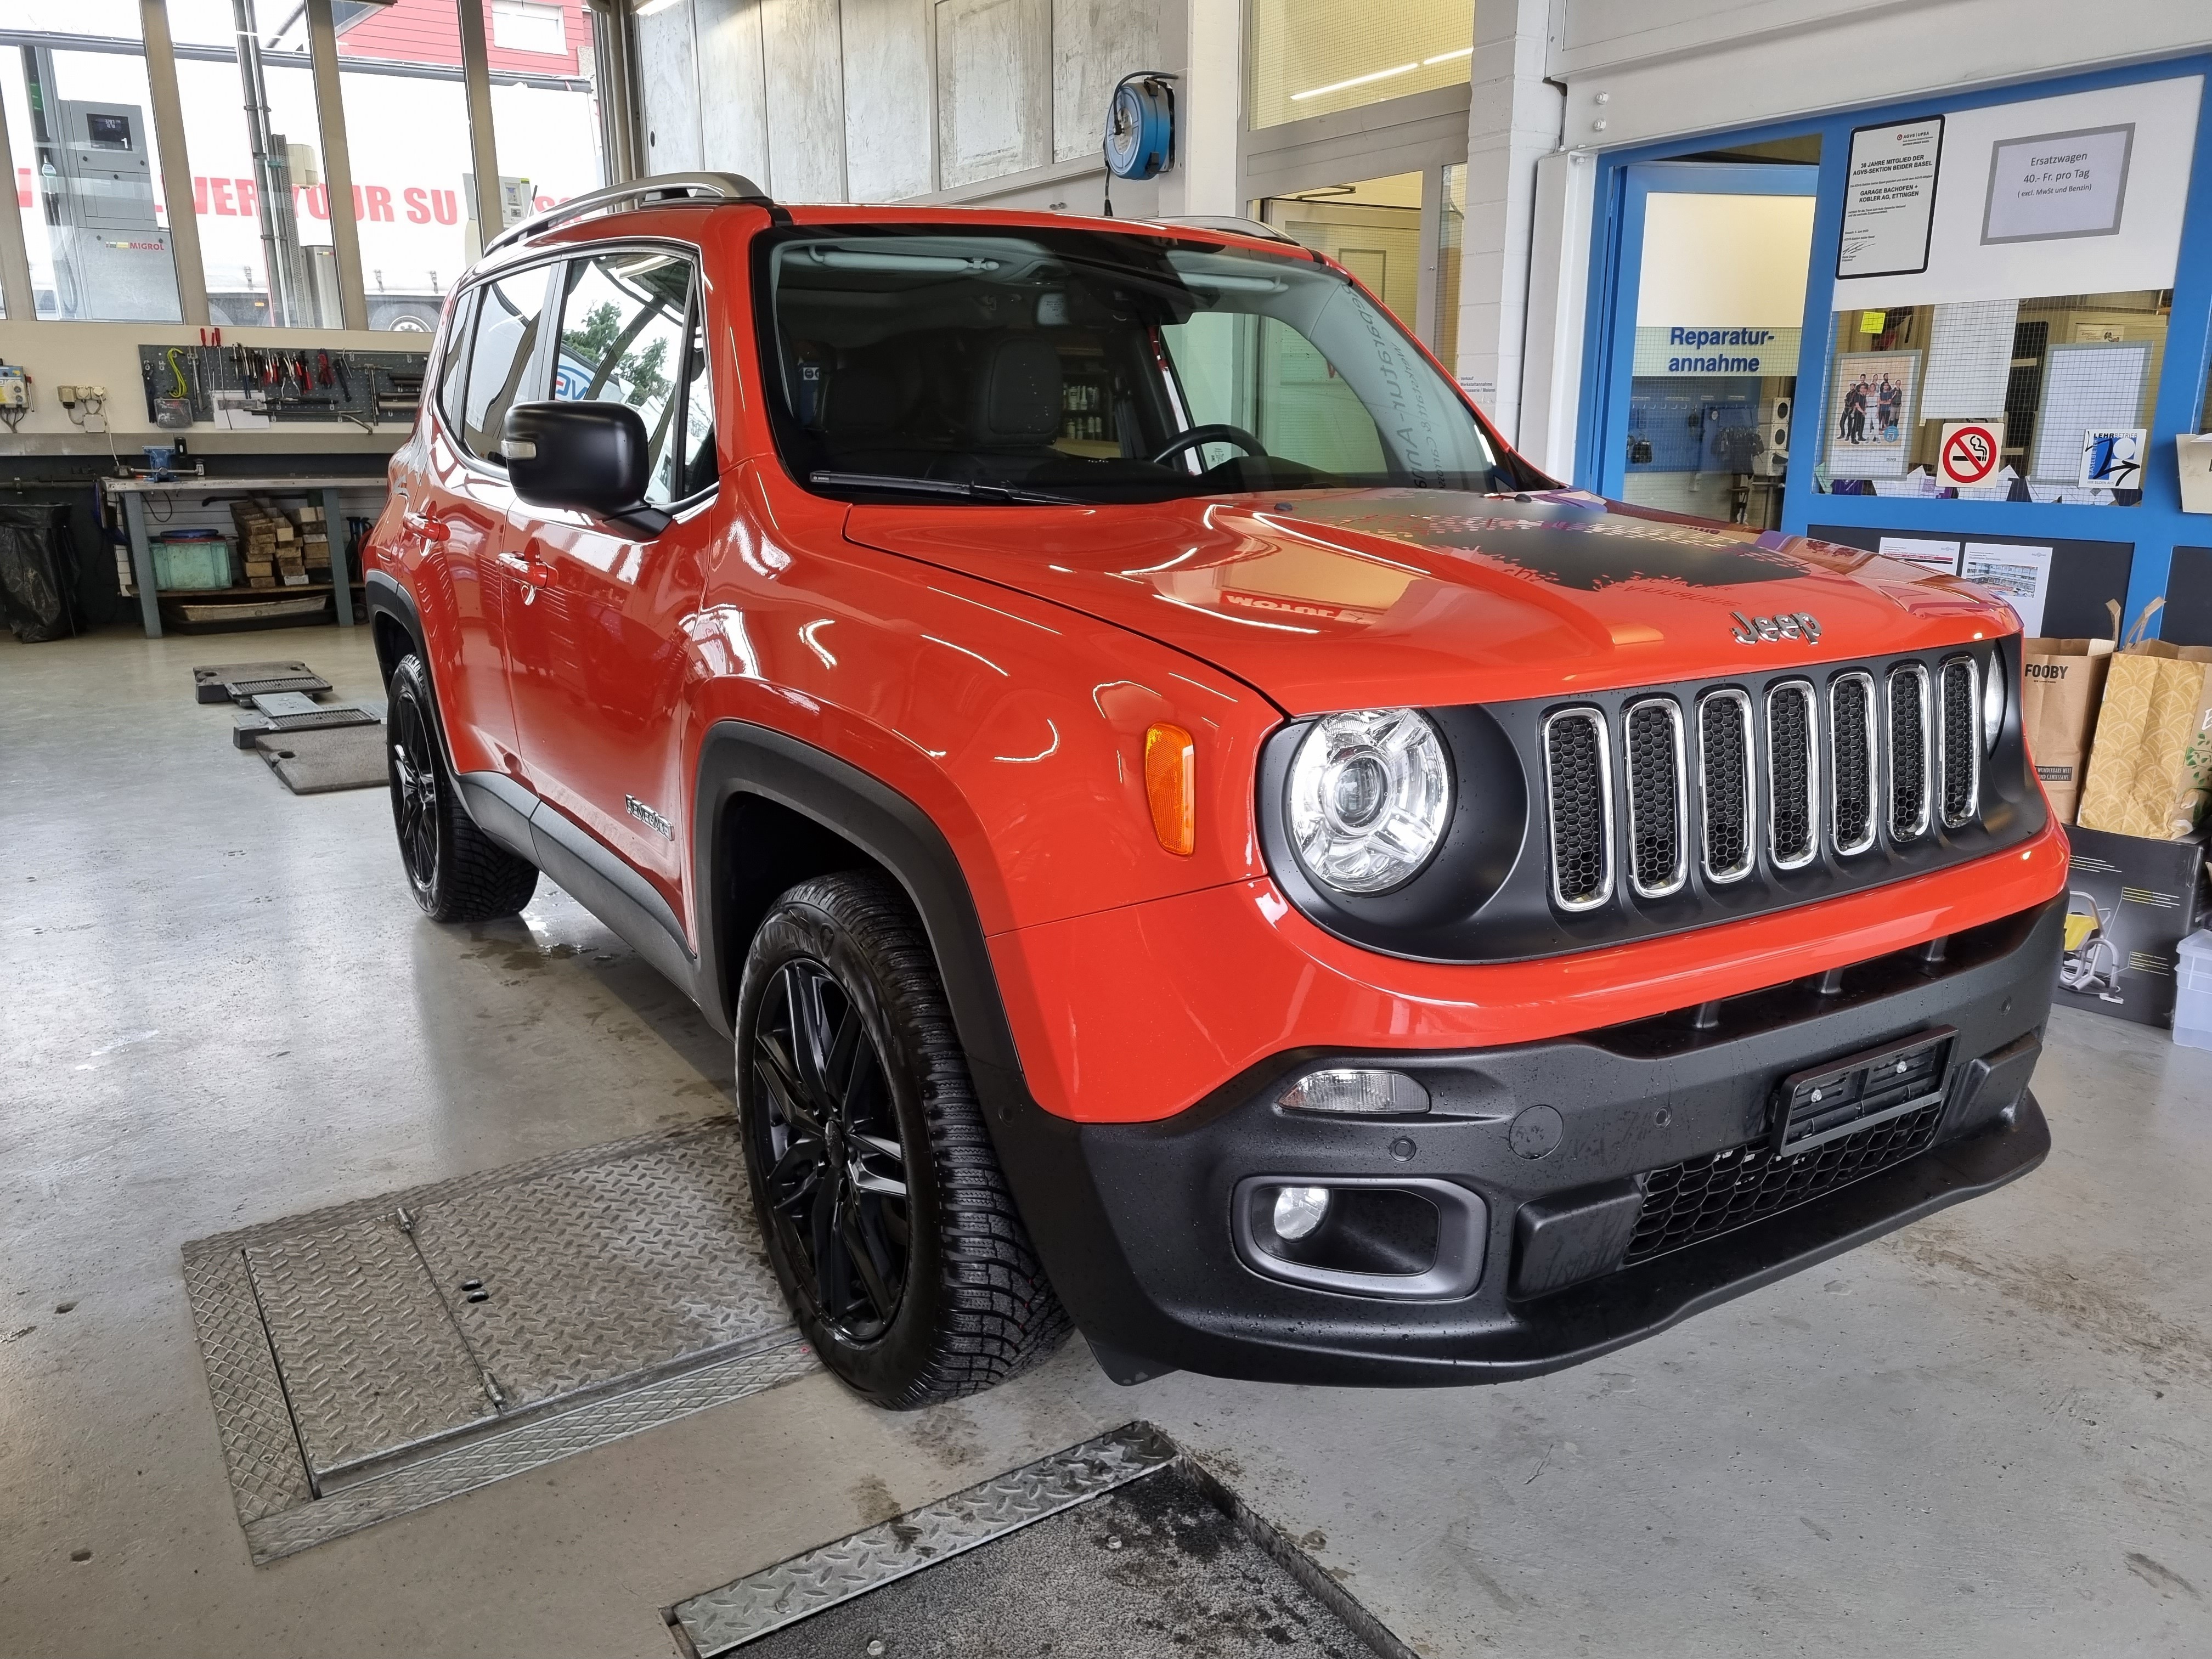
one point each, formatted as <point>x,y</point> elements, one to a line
<point>1987,1435</point>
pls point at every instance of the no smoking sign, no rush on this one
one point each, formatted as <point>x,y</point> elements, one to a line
<point>1970,452</point>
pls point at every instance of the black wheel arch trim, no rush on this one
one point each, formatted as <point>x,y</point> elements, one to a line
<point>736,758</point>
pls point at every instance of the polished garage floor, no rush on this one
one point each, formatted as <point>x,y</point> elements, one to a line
<point>1987,1435</point>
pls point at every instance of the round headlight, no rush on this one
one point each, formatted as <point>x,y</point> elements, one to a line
<point>1993,701</point>
<point>1370,799</point>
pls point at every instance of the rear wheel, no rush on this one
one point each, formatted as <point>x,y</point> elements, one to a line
<point>886,1216</point>
<point>457,872</point>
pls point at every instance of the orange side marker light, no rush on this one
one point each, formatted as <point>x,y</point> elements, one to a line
<point>1171,787</point>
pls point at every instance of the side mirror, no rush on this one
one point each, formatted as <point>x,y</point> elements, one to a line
<point>590,457</point>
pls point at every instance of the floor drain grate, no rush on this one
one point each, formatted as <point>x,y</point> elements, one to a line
<point>361,1365</point>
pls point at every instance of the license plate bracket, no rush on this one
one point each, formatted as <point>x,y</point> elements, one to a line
<point>1842,1097</point>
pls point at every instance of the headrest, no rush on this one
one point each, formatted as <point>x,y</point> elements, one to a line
<point>860,401</point>
<point>1015,397</point>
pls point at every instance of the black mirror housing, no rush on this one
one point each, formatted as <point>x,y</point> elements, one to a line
<point>587,457</point>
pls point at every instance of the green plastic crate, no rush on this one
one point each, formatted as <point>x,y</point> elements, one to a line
<point>192,567</point>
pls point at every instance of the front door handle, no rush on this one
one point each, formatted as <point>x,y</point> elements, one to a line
<point>428,525</point>
<point>533,574</point>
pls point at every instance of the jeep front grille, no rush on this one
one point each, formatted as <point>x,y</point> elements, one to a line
<point>1962,742</point>
<point>1725,785</point>
<point>1908,752</point>
<point>1578,779</point>
<point>1793,821</point>
<point>1852,762</point>
<point>1733,780</point>
<point>1658,804</point>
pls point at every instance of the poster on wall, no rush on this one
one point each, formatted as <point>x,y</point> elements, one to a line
<point>2057,185</point>
<point>2112,457</point>
<point>2020,576</point>
<point>2108,218</point>
<point>1870,413</point>
<point>1889,199</point>
<point>1928,552</point>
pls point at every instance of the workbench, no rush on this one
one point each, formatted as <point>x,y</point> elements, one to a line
<point>131,493</point>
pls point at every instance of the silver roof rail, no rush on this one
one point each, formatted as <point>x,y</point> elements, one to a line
<point>1228,222</point>
<point>661,186</point>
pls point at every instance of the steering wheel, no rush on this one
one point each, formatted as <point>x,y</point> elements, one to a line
<point>1219,432</point>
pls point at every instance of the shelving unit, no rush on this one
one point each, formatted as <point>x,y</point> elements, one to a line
<point>132,493</point>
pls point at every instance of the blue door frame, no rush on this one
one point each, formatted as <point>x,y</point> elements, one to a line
<point>1604,437</point>
<point>1626,179</point>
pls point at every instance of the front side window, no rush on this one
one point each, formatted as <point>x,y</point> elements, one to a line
<point>1083,365</point>
<point>623,335</point>
<point>508,314</point>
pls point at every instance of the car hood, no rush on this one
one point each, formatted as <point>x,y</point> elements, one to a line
<point>1357,598</point>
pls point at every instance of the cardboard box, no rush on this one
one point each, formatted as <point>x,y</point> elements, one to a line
<point>2129,902</point>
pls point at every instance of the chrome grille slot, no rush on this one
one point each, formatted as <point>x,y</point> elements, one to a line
<point>1852,762</point>
<point>1959,751</point>
<point>1793,775</point>
<point>1578,788</point>
<point>1908,756</point>
<point>1725,792</point>
<point>1658,798</point>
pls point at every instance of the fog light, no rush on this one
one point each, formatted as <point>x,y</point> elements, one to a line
<point>1346,1090</point>
<point>1300,1210</point>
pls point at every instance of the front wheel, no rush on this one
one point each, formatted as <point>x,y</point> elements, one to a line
<point>886,1216</point>
<point>457,872</point>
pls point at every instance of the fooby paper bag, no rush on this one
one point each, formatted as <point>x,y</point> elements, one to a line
<point>2150,766</point>
<point>2062,685</point>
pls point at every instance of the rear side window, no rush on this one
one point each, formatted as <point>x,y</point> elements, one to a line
<point>508,314</point>
<point>451,368</point>
<point>624,334</point>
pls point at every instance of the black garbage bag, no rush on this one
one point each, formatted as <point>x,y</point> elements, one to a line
<point>38,572</point>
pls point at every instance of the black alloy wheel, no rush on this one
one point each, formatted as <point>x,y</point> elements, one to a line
<point>457,872</point>
<point>414,793</point>
<point>882,1206</point>
<point>836,1168</point>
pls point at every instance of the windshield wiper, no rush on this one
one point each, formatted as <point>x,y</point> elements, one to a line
<point>967,489</point>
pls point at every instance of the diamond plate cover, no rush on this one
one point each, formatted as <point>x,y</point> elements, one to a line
<point>251,1417</point>
<point>590,1274</point>
<point>366,1398</point>
<point>370,1361</point>
<point>528,1446</point>
<point>791,1590</point>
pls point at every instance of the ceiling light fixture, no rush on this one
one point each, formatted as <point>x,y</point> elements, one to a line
<point>1356,81</point>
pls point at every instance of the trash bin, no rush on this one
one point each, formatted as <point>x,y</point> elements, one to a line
<point>38,572</point>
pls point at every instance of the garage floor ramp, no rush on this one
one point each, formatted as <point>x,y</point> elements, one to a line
<point>367,1360</point>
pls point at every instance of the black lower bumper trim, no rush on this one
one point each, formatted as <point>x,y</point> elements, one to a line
<point>1613,1224</point>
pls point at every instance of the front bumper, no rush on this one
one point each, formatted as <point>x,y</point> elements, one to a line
<point>1134,1220</point>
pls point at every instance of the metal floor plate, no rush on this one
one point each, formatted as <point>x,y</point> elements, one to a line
<point>368,1360</point>
<point>1120,1547</point>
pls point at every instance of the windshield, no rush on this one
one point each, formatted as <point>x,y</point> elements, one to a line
<point>1081,365</point>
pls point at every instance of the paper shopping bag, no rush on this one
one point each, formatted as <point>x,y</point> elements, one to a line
<point>2150,762</point>
<point>2062,682</point>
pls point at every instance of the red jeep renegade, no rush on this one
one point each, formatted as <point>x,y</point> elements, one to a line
<point>1190,835</point>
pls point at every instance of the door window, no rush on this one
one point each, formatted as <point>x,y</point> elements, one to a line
<point>508,314</point>
<point>623,339</point>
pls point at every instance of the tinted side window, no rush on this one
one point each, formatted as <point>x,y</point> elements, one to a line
<point>456,358</point>
<point>508,313</point>
<point>622,335</point>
